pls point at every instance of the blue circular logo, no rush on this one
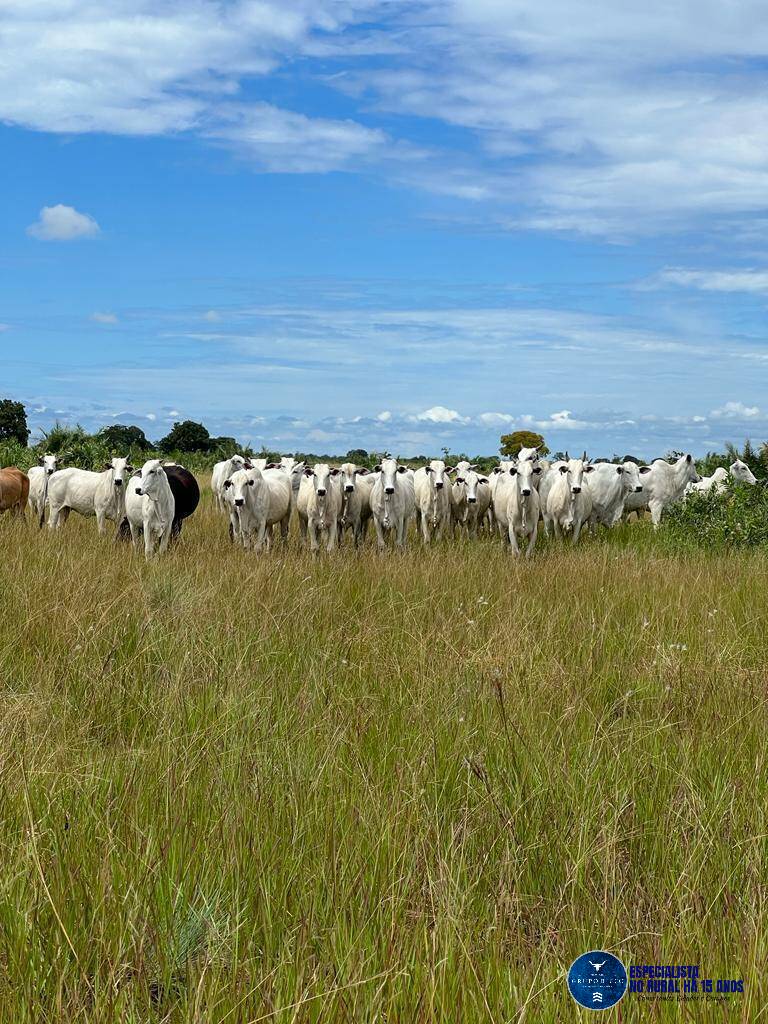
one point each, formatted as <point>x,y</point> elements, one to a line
<point>597,980</point>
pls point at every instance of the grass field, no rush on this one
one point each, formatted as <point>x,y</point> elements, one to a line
<point>404,789</point>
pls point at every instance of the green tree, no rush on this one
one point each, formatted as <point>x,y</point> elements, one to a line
<point>187,436</point>
<point>510,444</point>
<point>122,438</point>
<point>13,422</point>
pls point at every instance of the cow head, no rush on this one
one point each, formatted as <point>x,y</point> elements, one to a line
<point>240,484</point>
<point>576,469</point>
<point>50,463</point>
<point>437,473</point>
<point>630,471</point>
<point>150,477</point>
<point>741,473</point>
<point>121,470</point>
<point>388,468</point>
<point>524,473</point>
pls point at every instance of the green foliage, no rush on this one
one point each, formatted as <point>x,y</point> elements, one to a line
<point>13,421</point>
<point>736,518</point>
<point>123,439</point>
<point>187,436</point>
<point>510,444</point>
<point>12,453</point>
<point>75,446</point>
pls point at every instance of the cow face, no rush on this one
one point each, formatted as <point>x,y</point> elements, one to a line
<point>121,471</point>
<point>690,474</point>
<point>576,470</point>
<point>241,484</point>
<point>631,478</point>
<point>471,481</point>
<point>50,464</point>
<point>150,477</point>
<point>437,473</point>
<point>389,470</point>
<point>528,455</point>
<point>524,472</point>
<point>741,472</point>
<point>322,476</point>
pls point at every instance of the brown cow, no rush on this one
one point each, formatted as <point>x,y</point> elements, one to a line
<point>14,490</point>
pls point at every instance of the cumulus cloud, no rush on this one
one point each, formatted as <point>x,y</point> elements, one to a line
<point>104,318</point>
<point>62,223</point>
<point>737,411</point>
<point>439,414</point>
<point>385,416</point>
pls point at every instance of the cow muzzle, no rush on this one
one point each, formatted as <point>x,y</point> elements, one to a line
<point>239,502</point>
<point>389,490</point>
<point>472,501</point>
<point>575,490</point>
<point>526,492</point>
<point>439,485</point>
<point>321,492</point>
<point>118,483</point>
<point>349,488</point>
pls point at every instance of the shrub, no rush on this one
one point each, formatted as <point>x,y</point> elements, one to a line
<point>736,518</point>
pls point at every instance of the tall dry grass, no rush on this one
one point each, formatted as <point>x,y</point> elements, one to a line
<point>241,788</point>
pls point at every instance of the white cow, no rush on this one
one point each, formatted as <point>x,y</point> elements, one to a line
<point>531,455</point>
<point>248,496</point>
<point>356,485</point>
<point>150,507</point>
<point>222,471</point>
<point>738,471</point>
<point>495,475</point>
<point>569,501</point>
<point>393,502</point>
<point>433,504</point>
<point>470,500</point>
<point>90,494</point>
<point>663,484</point>
<point>523,506</point>
<point>609,484</point>
<point>38,484</point>
<point>319,506</point>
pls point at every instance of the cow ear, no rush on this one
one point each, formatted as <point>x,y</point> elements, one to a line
<point>619,469</point>
<point>483,480</point>
<point>688,458</point>
<point>645,469</point>
<point>377,469</point>
<point>536,469</point>
<point>450,469</point>
<point>402,469</point>
<point>227,483</point>
<point>247,464</point>
<point>513,471</point>
<point>496,469</point>
<point>563,469</point>
<point>334,472</point>
<point>460,480</point>
<point>309,472</point>
<point>589,469</point>
<point>427,469</point>
<point>107,465</point>
<point>363,471</point>
<point>272,465</point>
<point>40,460</point>
<point>130,469</point>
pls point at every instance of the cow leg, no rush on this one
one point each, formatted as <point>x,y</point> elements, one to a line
<point>532,540</point>
<point>556,528</point>
<point>656,508</point>
<point>402,527</point>
<point>101,523</point>
<point>333,536</point>
<point>512,538</point>
<point>576,531</point>
<point>311,529</point>
<point>380,539</point>
<point>165,538</point>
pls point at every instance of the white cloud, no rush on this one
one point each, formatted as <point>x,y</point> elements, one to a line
<point>496,419</point>
<point>151,416</point>
<point>62,223</point>
<point>104,318</point>
<point>211,316</point>
<point>737,411</point>
<point>751,280</point>
<point>439,414</point>
<point>385,416</point>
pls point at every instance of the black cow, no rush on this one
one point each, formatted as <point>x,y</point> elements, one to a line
<point>186,496</point>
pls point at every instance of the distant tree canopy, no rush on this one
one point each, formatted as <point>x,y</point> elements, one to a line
<point>510,444</point>
<point>122,438</point>
<point>187,436</point>
<point>13,421</point>
<point>359,456</point>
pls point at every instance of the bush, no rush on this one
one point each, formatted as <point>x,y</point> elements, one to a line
<point>735,518</point>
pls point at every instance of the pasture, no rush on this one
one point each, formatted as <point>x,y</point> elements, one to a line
<point>243,788</point>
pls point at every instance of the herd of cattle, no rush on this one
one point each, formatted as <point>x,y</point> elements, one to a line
<point>260,497</point>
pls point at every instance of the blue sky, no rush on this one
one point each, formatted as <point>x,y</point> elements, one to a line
<point>337,223</point>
